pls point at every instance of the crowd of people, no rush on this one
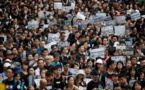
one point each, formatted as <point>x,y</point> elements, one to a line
<point>61,45</point>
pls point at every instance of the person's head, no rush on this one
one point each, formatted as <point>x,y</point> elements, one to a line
<point>133,60</point>
<point>88,69</point>
<point>111,64</point>
<point>31,71</point>
<point>70,80</point>
<point>40,63</point>
<point>34,48</point>
<point>132,71</point>
<point>142,62</point>
<point>42,44</point>
<point>76,66</point>
<point>80,74</point>
<point>114,39</point>
<point>48,76</point>
<point>64,50</point>
<point>30,57</point>
<point>115,76</point>
<point>57,70</point>
<point>45,52</point>
<point>96,75</point>
<point>56,57</point>
<point>117,87</point>
<point>36,41</point>
<point>54,48</point>
<point>10,73</point>
<point>43,83</point>
<point>81,48</point>
<point>42,73</point>
<point>123,79</point>
<point>137,85</point>
<point>98,63</point>
<point>105,41</point>
<point>48,59</point>
<point>119,65</point>
<point>127,33</point>
<point>17,76</point>
<point>9,54</point>
<point>24,65</point>
<point>31,88</point>
<point>14,51</point>
<point>90,62</point>
<point>62,36</point>
<point>128,64</point>
<point>66,66</point>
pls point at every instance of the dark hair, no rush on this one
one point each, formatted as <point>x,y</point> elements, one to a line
<point>48,73</point>
<point>138,82</point>
<point>109,63</point>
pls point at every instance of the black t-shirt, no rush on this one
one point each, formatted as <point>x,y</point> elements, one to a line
<point>128,87</point>
<point>50,86</point>
<point>59,83</point>
<point>11,85</point>
<point>91,85</point>
<point>47,67</point>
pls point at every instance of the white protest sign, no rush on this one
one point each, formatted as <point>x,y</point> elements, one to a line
<point>101,14</point>
<point>63,44</point>
<point>66,8</point>
<point>119,30</point>
<point>53,37</point>
<point>135,16</point>
<point>131,82</point>
<point>57,5</point>
<point>73,5</point>
<point>109,83</point>
<point>73,71</point>
<point>80,16</point>
<point>107,30</point>
<point>37,82</point>
<point>120,19</point>
<point>48,46</point>
<point>120,47</point>
<point>119,58</point>
<point>87,80</point>
<point>129,52</point>
<point>128,44</point>
<point>97,52</point>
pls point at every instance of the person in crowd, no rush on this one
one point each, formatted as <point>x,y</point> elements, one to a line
<point>70,85</point>
<point>137,85</point>
<point>79,81</point>
<point>48,77</point>
<point>11,82</point>
<point>124,83</point>
<point>95,83</point>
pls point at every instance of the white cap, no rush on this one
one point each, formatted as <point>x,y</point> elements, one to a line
<point>80,72</point>
<point>7,64</point>
<point>99,61</point>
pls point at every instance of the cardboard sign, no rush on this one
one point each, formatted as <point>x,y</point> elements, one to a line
<point>129,44</point>
<point>97,52</point>
<point>80,16</point>
<point>57,5</point>
<point>63,44</point>
<point>120,19</point>
<point>73,71</point>
<point>129,52</point>
<point>119,58</point>
<point>107,30</point>
<point>119,30</point>
<point>120,47</point>
<point>53,37</point>
<point>100,14</point>
<point>109,83</point>
<point>135,16</point>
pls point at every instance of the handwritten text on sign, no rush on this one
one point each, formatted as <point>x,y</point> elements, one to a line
<point>119,58</point>
<point>107,30</point>
<point>97,52</point>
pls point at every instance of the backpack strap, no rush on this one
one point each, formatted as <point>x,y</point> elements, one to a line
<point>15,83</point>
<point>63,78</point>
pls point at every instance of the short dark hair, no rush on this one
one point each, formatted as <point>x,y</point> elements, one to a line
<point>48,73</point>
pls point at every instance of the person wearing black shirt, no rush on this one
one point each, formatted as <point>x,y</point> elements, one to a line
<point>11,83</point>
<point>95,83</point>
<point>124,83</point>
<point>48,77</point>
